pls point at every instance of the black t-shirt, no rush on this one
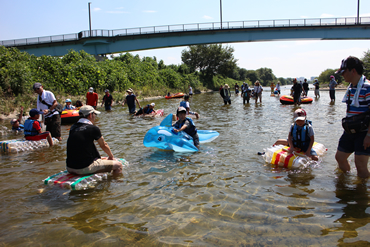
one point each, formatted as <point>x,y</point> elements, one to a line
<point>297,88</point>
<point>305,85</point>
<point>81,150</point>
<point>108,100</point>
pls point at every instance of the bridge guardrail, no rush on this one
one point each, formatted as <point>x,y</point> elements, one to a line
<point>314,22</point>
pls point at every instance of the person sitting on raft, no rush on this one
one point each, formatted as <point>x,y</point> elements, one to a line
<point>79,104</point>
<point>187,125</point>
<point>68,105</point>
<point>301,136</point>
<point>16,123</point>
<point>185,103</point>
<point>148,109</point>
<point>82,156</point>
<point>32,128</point>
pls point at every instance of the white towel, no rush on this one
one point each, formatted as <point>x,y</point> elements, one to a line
<point>357,93</point>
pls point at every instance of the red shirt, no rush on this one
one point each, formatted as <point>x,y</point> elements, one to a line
<point>92,99</point>
<point>36,124</point>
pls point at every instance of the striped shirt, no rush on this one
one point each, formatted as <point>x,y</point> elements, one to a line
<point>363,99</point>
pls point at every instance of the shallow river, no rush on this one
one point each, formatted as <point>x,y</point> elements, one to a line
<point>224,195</point>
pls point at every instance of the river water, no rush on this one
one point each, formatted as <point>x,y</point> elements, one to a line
<point>224,195</point>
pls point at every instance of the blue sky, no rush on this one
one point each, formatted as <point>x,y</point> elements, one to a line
<point>26,19</point>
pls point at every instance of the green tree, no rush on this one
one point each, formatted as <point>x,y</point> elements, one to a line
<point>324,77</point>
<point>252,76</point>
<point>266,76</point>
<point>210,60</point>
<point>366,60</point>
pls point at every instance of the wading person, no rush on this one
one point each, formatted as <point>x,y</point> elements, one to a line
<point>332,85</point>
<point>130,100</point>
<point>16,123</point>
<point>82,156</point>
<point>246,93</point>
<point>225,94</point>
<point>92,98</point>
<point>317,88</point>
<point>258,91</point>
<point>107,100</point>
<point>305,87</point>
<point>357,137</point>
<point>296,90</point>
<point>47,103</point>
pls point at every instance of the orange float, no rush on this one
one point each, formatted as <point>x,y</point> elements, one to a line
<point>70,116</point>
<point>176,95</point>
<point>288,100</point>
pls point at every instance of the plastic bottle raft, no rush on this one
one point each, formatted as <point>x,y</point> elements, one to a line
<point>159,113</point>
<point>66,180</point>
<point>278,156</point>
<point>15,146</point>
<point>288,100</point>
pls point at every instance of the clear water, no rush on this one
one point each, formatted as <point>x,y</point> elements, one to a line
<point>224,195</point>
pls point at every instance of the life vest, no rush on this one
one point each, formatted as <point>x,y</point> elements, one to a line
<point>300,136</point>
<point>29,130</point>
<point>148,110</point>
<point>190,130</point>
<point>183,104</point>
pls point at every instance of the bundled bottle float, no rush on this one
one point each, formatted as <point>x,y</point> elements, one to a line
<point>176,95</point>
<point>278,156</point>
<point>20,145</point>
<point>66,180</point>
<point>70,116</point>
<point>158,113</point>
<point>288,100</point>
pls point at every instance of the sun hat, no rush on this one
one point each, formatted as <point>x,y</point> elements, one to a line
<point>106,90</point>
<point>152,104</point>
<point>37,85</point>
<point>300,114</point>
<point>226,86</point>
<point>68,100</point>
<point>13,121</point>
<point>91,89</point>
<point>331,77</point>
<point>87,109</point>
<point>34,112</point>
<point>129,90</point>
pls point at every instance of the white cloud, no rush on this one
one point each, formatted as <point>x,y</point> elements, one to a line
<point>117,12</point>
<point>207,17</point>
<point>149,11</point>
<point>96,9</point>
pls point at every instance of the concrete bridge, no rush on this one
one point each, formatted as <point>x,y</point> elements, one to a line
<point>99,42</point>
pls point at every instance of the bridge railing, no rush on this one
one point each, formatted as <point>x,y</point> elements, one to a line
<point>315,22</point>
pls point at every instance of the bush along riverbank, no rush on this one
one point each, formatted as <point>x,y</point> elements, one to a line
<point>71,75</point>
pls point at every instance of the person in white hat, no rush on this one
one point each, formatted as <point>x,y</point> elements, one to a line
<point>92,98</point>
<point>187,125</point>
<point>148,109</point>
<point>130,100</point>
<point>225,94</point>
<point>82,156</point>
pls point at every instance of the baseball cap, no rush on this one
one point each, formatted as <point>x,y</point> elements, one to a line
<point>68,100</point>
<point>300,114</point>
<point>180,109</point>
<point>34,112</point>
<point>152,104</point>
<point>13,121</point>
<point>87,109</point>
<point>106,90</point>
<point>350,63</point>
<point>37,85</point>
<point>91,89</point>
<point>332,76</point>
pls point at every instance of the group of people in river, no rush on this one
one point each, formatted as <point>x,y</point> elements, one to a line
<point>83,157</point>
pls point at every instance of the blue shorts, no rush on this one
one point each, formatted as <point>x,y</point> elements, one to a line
<point>349,143</point>
<point>108,107</point>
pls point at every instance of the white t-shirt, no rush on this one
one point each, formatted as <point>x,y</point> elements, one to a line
<point>258,89</point>
<point>190,90</point>
<point>277,86</point>
<point>49,98</point>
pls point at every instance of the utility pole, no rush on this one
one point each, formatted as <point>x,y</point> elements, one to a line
<point>90,20</point>
<point>358,12</point>
<point>221,12</point>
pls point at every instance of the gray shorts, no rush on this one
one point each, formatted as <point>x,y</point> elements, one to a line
<point>97,166</point>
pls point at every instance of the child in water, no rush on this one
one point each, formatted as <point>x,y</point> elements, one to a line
<point>186,105</point>
<point>187,125</point>
<point>301,136</point>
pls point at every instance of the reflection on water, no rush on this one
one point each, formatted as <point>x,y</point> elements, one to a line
<point>224,195</point>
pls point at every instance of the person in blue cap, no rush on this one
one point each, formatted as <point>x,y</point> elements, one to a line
<point>68,105</point>
<point>32,128</point>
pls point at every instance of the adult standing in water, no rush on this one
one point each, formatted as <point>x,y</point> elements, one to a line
<point>236,87</point>
<point>92,98</point>
<point>278,88</point>
<point>297,90</point>
<point>130,100</point>
<point>305,87</point>
<point>358,101</point>
<point>107,100</point>
<point>332,85</point>
<point>317,88</point>
<point>47,103</point>
<point>225,94</point>
<point>82,156</point>
<point>258,91</point>
<point>246,93</point>
<point>190,91</point>
<point>272,87</point>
